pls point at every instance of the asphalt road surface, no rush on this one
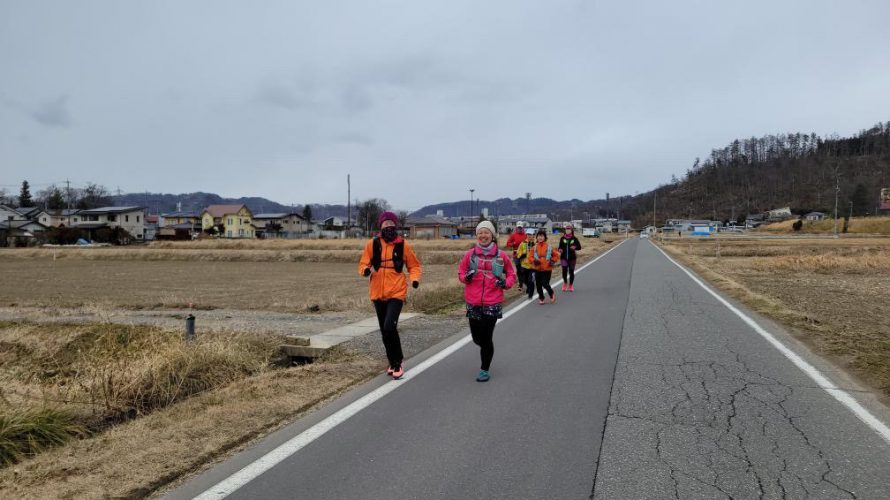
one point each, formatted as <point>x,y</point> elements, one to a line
<point>639,385</point>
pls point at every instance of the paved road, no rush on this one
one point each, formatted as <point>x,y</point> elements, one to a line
<point>638,385</point>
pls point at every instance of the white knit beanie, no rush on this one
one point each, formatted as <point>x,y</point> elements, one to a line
<point>486,224</point>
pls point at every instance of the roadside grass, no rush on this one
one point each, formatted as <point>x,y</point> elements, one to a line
<point>831,293</point>
<point>61,381</point>
<point>136,458</point>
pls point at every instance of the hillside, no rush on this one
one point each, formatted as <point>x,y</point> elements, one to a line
<point>158,203</point>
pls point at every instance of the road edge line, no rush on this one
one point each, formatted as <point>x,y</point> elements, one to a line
<point>254,469</point>
<point>842,396</point>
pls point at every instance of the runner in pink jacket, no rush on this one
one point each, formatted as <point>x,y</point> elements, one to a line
<point>486,271</point>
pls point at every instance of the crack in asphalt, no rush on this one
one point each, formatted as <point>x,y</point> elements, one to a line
<point>717,418</point>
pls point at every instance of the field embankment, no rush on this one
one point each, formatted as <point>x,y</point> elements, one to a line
<point>855,226</point>
<point>832,292</point>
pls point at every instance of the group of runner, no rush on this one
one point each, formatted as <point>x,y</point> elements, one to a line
<point>485,270</point>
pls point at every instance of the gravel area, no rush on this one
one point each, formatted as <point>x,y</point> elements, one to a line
<point>221,320</point>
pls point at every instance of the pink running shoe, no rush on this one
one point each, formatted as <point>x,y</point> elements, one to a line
<point>541,302</point>
<point>389,371</point>
<point>553,299</point>
<point>565,287</point>
<point>571,288</point>
<point>398,372</point>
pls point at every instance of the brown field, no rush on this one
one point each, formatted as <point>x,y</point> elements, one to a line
<point>103,410</point>
<point>221,274</point>
<point>832,292</point>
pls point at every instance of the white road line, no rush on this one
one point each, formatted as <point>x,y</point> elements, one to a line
<point>821,380</point>
<point>253,470</point>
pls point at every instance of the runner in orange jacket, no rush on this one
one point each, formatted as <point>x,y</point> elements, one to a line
<point>384,261</point>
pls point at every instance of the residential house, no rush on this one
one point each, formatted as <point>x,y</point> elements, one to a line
<point>179,217</point>
<point>280,225</point>
<point>18,232</point>
<point>814,216</point>
<point>58,218</point>
<point>431,226</point>
<point>151,227</point>
<point>780,214</point>
<point>507,223</point>
<point>9,213</point>
<point>230,221</point>
<point>130,219</point>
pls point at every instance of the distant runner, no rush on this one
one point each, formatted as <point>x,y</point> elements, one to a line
<point>486,271</point>
<point>516,239</point>
<point>384,260</point>
<point>542,257</point>
<point>526,273</point>
<point>568,246</point>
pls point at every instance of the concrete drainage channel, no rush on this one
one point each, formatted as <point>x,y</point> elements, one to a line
<point>305,349</point>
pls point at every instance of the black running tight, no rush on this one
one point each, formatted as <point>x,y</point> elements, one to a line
<point>568,273</point>
<point>542,281</point>
<point>482,331</point>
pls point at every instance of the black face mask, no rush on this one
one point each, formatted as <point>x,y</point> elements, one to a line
<point>388,233</point>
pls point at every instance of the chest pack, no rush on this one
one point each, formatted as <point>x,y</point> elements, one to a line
<point>568,244</point>
<point>398,255</point>
<point>496,260</point>
<point>549,252</point>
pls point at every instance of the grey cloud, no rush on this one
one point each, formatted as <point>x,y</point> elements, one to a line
<point>280,96</point>
<point>53,113</point>
<point>354,138</point>
<point>356,98</point>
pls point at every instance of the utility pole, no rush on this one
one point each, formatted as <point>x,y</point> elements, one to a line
<point>654,207</point>
<point>837,190</point>
<point>348,206</point>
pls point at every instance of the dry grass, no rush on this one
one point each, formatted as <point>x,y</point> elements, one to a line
<point>831,292</point>
<point>134,459</point>
<point>99,375</point>
<point>857,225</point>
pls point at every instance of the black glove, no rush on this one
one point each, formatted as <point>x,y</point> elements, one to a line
<point>469,276</point>
<point>367,272</point>
<point>415,284</point>
<point>501,283</point>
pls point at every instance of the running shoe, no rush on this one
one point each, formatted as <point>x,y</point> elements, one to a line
<point>483,376</point>
<point>390,370</point>
<point>398,372</point>
<point>565,287</point>
<point>541,302</point>
<point>571,288</point>
<point>553,298</point>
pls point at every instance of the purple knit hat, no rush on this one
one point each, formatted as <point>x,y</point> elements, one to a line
<point>385,216</point>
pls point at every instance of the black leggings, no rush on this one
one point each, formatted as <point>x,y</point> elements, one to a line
<point>530,282</point>
<point>568,273</point>
<point>388,316</point>
<point>482,331</point>
<point>542,280</point>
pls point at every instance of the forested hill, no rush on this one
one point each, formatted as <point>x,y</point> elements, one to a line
<point>800,171</point>
<point>747,176</point>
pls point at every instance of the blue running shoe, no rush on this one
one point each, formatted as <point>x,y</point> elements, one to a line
<point>483,376</point>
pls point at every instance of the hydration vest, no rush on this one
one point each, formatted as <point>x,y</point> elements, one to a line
<point>496,260</point>
<point>549,252</point>
<point>398,255</point>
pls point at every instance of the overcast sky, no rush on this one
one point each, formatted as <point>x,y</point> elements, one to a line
<point>420,100</point>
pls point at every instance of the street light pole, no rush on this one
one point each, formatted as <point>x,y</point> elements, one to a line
<point>471,202</point>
